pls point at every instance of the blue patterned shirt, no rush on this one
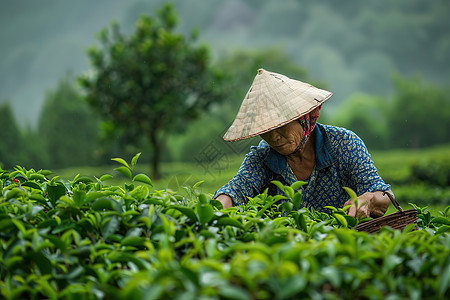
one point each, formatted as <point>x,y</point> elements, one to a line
<point>342,160</point>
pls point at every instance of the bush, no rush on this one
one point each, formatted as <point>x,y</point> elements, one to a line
<point>433,171</point>
<point>85,239</point>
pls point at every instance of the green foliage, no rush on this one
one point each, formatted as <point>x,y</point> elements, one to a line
<point>241,67</point>
<point>11,145</point>
<point>419,115</point>
<point>152,82</point>
<point>67,128</point>
<point>416,116</point>
<point>418,176</point>
<point>87,239</point>
<point>367,117</point>
<point>432,171</point>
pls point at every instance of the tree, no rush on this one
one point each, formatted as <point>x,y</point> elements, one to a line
<point>151,83</point>
<point>419,114</point>
<point>207,133</point>
<point>11,145</point>
<point>67,127</point>
<point>366,115</point>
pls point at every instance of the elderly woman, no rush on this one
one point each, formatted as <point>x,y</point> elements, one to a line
<point>283,112</point>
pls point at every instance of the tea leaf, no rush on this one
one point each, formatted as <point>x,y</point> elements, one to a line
<point>289,191</point>
<point>143,178</point>
<point>224,221</point>
<point>446,210</point>
<point>196,185</point>
<point>19,225</point>
<point>296,185</point>
<point>332,208</point>
<point>134,159</point>
<point>83,179</point>
<point>43,263</point>
<point>105,177</point>
<point>216,203</point>
<point>132,241</point>
<point>350,192</point>
<point>341,219</point>
<point>297,200</point>
<point>45,172</point>
<point>79,197</point>
<point>12,262</point>
<point>440,220</point>
<point>351,221</point>
<point>233,292</point>
<point>31,184</point>
<point>188,212</point>
<point>205,213</point>
<point>278,184</point>
<point>106,203</point>
<point>38,177</point>
<point>442,229</point>
<point>124,171</point>
<point>110,227</point>
<point>345,208</point>
<point>121,161</point>
<point>55,191</point>
<point>93,195</point>
<point>409,227</point>
<point>287,206</point>
<point>302,222</point>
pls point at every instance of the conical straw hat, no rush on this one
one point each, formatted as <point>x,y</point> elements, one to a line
<point>272,101</point>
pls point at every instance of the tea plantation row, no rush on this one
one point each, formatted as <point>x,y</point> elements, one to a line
<point>83,239</point>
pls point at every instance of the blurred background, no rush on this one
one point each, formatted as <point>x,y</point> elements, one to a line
<point>70,71</point>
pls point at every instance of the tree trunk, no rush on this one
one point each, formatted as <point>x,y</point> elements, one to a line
<point>156,157</point>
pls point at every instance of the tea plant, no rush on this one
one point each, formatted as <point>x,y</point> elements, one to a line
<point>86,239</point>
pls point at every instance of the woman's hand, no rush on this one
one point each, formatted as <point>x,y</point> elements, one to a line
<point>369,205</point>
<point>225,200</point>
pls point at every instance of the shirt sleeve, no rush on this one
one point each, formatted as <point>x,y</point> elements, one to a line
<point>250,178</point>
<point>359,165</point>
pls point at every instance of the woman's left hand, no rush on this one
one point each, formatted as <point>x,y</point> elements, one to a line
<point>369,205</point>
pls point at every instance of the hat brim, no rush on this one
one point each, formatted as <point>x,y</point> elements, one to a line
<point>272,101</point>
<point>226,138</point>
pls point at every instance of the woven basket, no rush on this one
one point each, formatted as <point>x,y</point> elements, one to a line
<point>397,220</point>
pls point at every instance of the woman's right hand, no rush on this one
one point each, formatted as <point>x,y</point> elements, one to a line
<point>225,200</point>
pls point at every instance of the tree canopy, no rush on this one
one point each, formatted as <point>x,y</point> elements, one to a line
<point>67,128</point>
<point>152,82</point>
<point>10,137</point>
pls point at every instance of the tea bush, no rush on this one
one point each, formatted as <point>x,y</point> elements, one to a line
<point>418,176</point>
<point>84,239</point>
<point>433,171</point>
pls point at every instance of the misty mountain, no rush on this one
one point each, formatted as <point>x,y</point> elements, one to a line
<point>352,45</point>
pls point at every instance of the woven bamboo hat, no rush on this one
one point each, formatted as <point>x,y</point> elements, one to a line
<point>272,101</point>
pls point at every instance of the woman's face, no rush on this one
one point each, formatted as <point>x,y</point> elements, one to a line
<point>285,139</point>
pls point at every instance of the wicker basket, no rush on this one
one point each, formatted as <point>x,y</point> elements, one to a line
<point>397,220</point>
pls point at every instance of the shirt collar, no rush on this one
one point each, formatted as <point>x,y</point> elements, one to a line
<point>324,155</point>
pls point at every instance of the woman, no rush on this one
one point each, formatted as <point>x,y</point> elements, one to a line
<point>283,112</point>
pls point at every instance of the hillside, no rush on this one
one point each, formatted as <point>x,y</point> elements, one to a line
<point>354,47</point>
